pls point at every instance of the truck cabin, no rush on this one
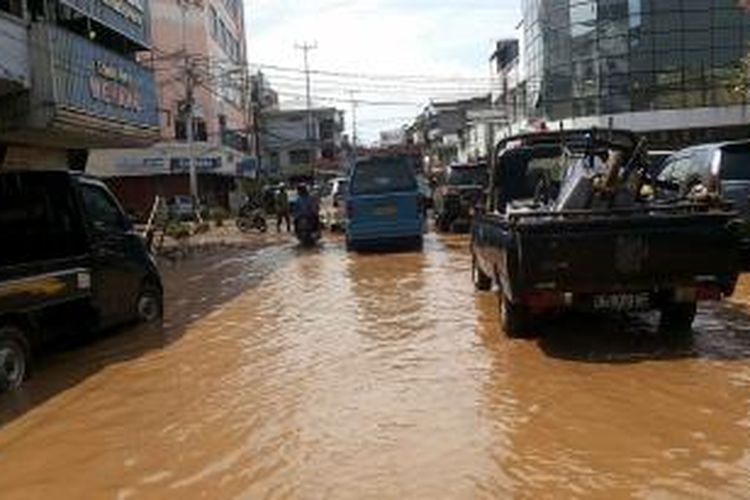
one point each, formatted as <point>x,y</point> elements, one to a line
<point>468,174</point>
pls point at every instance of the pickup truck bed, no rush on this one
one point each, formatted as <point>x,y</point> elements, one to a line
<point>632,259</point>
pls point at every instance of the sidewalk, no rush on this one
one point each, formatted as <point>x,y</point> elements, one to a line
<point>216,239</point>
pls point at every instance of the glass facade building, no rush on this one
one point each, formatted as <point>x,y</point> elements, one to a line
<point>604,57</point>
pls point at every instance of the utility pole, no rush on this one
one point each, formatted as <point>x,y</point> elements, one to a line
<point>306,48</point>
<point>354,120</point>
<point>189,103</point>
<point>256,103</point>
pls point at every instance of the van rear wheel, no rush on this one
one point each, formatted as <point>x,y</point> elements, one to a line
<point>15,358</point>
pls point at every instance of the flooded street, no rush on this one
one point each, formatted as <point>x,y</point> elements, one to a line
<point>289,373</point>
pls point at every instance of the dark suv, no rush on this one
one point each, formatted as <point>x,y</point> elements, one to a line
<point>70,263</point>
<point>721,168</point>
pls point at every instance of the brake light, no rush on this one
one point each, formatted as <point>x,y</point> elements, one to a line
<point>542,300</point>
<point>708,293</point>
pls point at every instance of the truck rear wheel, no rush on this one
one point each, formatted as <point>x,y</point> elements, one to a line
<point>15,358</point>
<point>678,317</point>
<point>514,319</point>
<point>482,282</point>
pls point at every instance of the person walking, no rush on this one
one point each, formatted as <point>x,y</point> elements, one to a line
<point>282,210</point>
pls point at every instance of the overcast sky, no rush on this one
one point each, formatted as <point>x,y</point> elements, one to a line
<point>450,40</point>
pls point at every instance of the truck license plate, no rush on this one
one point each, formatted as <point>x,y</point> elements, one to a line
<point>622,302</point>
<point>386,210</point>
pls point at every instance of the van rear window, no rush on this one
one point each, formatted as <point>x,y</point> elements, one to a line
<point>38,219</point>
<point>735,163</point>
<point>382,176</point>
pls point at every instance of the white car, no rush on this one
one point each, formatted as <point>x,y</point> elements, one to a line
<point>333,204</point>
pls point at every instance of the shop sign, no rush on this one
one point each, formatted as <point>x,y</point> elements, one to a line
<point>130,18</point>
<point>114,85</point>
<point>100,82</point>
<point>181,165</point>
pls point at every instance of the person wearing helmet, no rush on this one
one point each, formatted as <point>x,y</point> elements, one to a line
<point>306,205</point>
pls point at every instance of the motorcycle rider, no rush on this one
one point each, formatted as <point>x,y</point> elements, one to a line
<point>307,206</point>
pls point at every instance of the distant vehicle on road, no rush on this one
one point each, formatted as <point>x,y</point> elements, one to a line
<point>721,169</point>
<point>70,263</point>
<point>463,188</point>
<point>251,218</point>
<point>604,243</point>
<point>333,204</point>
<point>384,203</point>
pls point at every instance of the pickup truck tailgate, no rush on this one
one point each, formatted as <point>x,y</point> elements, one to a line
<point>625,253</point>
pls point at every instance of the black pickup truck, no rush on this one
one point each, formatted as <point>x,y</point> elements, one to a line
<point>646,255</point>
<point>70,263</point>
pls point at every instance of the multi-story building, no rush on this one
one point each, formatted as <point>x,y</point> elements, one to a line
<point>70,81</point>
<point>667,68</point>
<point>299,143</point>
<point>442,129</point>
<point>199,52</point>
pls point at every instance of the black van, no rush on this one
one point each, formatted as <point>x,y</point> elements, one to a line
<point>70,262</point>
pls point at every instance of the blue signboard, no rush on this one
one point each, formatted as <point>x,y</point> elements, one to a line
<point>130,18</point>
<point>202,164</point>
<point>99,82</point>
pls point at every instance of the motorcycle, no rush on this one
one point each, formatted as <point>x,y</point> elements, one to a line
<point>251,218</point>
<point>307,230</point>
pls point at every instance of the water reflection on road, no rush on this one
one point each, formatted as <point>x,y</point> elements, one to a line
<point>315,373</point>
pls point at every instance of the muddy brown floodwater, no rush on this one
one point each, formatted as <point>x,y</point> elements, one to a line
<point>284,373</point>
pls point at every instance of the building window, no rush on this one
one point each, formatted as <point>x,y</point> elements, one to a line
<point>13,7</point>
<point>200,133</point>
<point>300,157</point>
<point>327,130</point>
<point>275,161</point>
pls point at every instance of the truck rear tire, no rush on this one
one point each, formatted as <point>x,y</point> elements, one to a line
<point>482,282</point>
<point>514,319</point>
<point>15,358</point>
<point>678,317</point>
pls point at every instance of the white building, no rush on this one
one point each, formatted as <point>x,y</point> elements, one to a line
<point>297,143</point>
